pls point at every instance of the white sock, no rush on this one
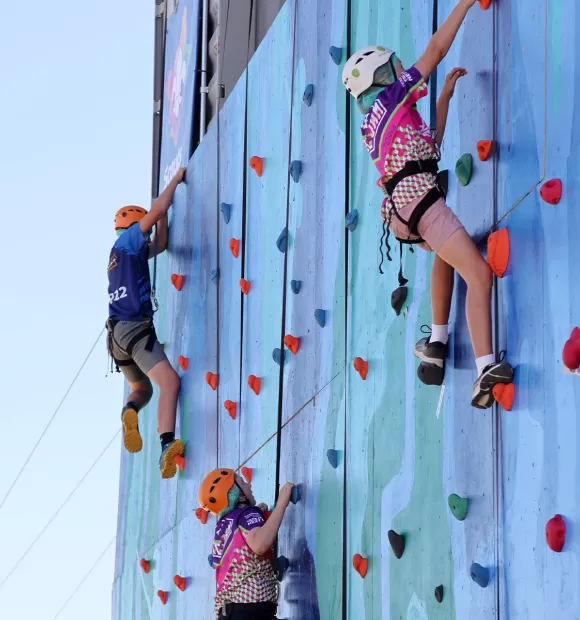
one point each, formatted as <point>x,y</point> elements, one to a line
<point>439,333</point>
<point>483,361</point>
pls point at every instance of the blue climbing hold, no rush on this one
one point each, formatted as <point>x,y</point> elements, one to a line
<point>210,560</point>
<point>278,356</point>
<point>226,210</point>
<point>308,94</point>
<point>479,574</point>
<point>295,495</point>
<point>335,54</point>
<point>332,456</point>
<point>296,170</point>
<point>282,565</point>
<point>214,275</point>
<point>320,316</point>
<point>295,286</point>
<point>282,241</point>
<point>351,220</point>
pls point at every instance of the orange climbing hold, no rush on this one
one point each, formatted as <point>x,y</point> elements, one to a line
<point>235,247</point>
<point>361,366</point>
<point>180,462</point>
<point>177,281</point>
<point>145,566</point>
<point>504,395</point>
<point>257,165</point>
<point>247,474</point>
<point>183,362</point>
<point>255,384</point>
<point>211,379</point>
<point>245,286</point>
<point>498,251</point>
<point>163,596</point>
<point>230,408</point>
<point>180,582</point>
<point>201,514</point>
<point>292,343</point>
<point>484,149</point>
<point>360,564</point>
<point>484,4</point>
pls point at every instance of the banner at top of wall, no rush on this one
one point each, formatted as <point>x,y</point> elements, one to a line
<point>180,87</point>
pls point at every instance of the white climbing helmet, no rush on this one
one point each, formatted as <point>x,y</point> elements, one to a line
<point>359,70</point>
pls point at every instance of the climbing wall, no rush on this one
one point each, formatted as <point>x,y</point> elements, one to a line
<point>312,378</point>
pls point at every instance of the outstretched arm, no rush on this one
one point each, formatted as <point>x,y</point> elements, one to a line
<point>162,203</point>
<point>159,243</point>
<point>444,98</point>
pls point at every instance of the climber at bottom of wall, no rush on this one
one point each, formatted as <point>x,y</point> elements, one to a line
<point>243,546</point>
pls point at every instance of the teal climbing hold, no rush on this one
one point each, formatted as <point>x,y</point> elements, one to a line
<point>332,456</point>
<point>320,316</point>
<point>226,210</point>
<point>335,54</point>
<point>282,241</point>
<point>479,574</point>
<point>295,286</point>
<point>308,94</point>
<point>296,170</point>
<point>214,275</point>
<point>278,356</point>
<point>351,220</point>
<point>458,506</point>
<point>295,495</point>
<point>464,168</point>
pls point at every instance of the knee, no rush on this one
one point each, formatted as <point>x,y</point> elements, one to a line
<point>481,276</point>
<point>173,382</point>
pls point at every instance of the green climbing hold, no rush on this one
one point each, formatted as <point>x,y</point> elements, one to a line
<point>464,168</point>
<point>458,506</point>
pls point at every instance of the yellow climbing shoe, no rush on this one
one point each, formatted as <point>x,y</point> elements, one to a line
<point>167,464</point>
<point>131,437</point>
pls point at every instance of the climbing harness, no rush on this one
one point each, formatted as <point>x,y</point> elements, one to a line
<point>148,332</point>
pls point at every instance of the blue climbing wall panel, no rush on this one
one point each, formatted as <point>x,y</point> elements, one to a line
<point>401,447</point>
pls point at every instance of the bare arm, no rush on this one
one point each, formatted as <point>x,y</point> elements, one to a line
<point>444,98</point>
<point>162,203</point>
<point>159,243</point>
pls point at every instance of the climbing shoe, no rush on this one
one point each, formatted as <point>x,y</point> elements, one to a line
<point>431,370</point>
<point>499,372</point>
<point>167,465</point>
<point>131,437</point>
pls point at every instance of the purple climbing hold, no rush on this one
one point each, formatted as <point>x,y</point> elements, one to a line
<point>295,495</point>
<point>210,560</point>
<point>214,276</point>
<point>320,316</point>
<point>439,594</point>
<point>308,94</point>
<point>397,543</point>
<point>479,574</point>
<point>332,456</point>
<point>351,220</point>
<point>295,286</point>
<point>282,565</point>
<point>335,54</point>
<point>226,210</point>
<point>398,299</point>
<point>296,170</point>
<point>278,356</point>
<point>282,241</point>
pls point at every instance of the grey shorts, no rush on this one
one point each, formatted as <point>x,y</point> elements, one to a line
<point>142,361</point>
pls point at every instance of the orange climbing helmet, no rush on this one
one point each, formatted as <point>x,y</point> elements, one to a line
<point>213,491</point>
<point>127,216</point>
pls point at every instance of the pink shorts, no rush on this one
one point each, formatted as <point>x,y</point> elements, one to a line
<point>435,227</point>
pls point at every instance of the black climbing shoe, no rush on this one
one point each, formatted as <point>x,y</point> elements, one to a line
<point>499,372</point>
<point>431,352</point>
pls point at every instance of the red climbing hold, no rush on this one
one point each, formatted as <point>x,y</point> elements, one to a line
<point>571,351</point>
<point>255,384</point>
<point>230,408</point>
<point>235,247</point>
<point>484,149</point>
<point>201,514</point>
<point>180,462</point>
<point>245,286</point>
<point>292,343</point>
<point>177,281</point>
<point>361,367</point>
<point>163,596</point>
<point>498,251</point>
<point>360,564</point>
<point>180,582</point>
<point>504,395</point>
<point>183,362</point>
<point>211,379</point>
<point>484,4</point>
<point>247,474</point>
<point>556,533</point>
<point>551,191</point>
<point>144,564</point>
<point>257,164</point>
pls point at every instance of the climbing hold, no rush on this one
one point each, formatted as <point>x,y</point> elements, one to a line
<point>177,281</point>
<point>332,456</point>
<point>458,506</point>
<point>282,241</point>
<point>292,343</point>
<point>201,514</point>
<point>235,247</point>
<point>504,395</point>
<point>350,221</point>
<point>231,408</point>
<point>295,286</point>
<point>439,594</point>
<point>245,286</point>
<point>360,564</point>
<point>498,251</point>
<point>144,564</point>
<point>180,582</point>
<point>163,596</point>
<point>257,165</point>
<point>397,543</point>
<point>247,474</point>
<point>255,384</point>
<point>308,94</point>
<point>296,170</point>
<point>571,351</point>
<point>551,191</point>
<point>214,276</point>
<point>479,574</point>
<point>556,533</point>
<point>464,168</point>
<point>179,460</point>
<point>278,356</point>
<point>320,316</point>
<point>335,54</point>
<point>484,149</point>
<point>210,560</point>
<point>398,299</point>
<point>282,565</point>
<point>484,4</point>
<point>183,362</point>
<point>430,374</point>
<point>211,379</point>
<point>295,495</point>
<point>361,366</point>
<point>226,210</point>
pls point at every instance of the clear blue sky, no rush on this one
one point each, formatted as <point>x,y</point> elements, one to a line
<point>75,136</point>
